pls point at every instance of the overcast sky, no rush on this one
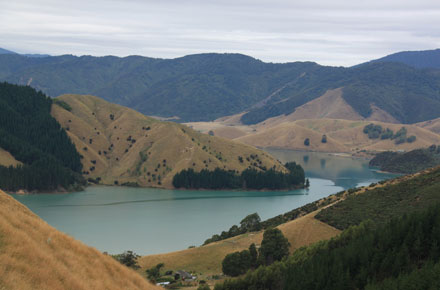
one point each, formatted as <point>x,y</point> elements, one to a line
<point>330,32</point>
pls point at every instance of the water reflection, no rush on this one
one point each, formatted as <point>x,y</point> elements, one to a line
<point>346,172</point>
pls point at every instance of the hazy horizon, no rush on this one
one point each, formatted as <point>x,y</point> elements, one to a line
<point>340,33</point>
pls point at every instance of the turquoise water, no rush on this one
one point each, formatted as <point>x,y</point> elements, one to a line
<point>149,221</point>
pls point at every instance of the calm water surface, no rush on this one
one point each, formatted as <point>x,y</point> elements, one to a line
<point>150,221</point>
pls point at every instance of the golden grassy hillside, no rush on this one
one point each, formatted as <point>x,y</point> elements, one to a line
<point>34,256</point>
<point>208,259</point>
<point>342,135</point>
<point>120,144</point>
<point>6,159</point>
<point>329,115</point>
<point>431,125</point>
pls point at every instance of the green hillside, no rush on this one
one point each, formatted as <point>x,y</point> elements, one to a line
<point>402,254</point>
<point>208,86</point>
<point>390,241</point>
<point>385,203</point>
<point>406,93</point>
<point>408,162</point>
<point>34,137</point>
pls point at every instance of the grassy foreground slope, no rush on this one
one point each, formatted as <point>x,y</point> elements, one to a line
<point>208,259</point>
<point>121,145</point>
<point>34,256</point>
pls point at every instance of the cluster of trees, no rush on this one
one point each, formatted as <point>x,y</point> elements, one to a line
<point>274,247</point>
<point>35,138</point>
<point>253,223</point>
<point>376,131</point>
<point>248,179</point>
<point>408,162</point>
<point>403,252</point>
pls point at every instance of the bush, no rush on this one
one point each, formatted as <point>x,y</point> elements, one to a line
<point>153,274</point>
<point>411,139</point>
<point>128,258</point>
<point>307,142</point>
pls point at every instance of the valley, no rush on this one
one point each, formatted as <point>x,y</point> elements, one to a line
<point>217,151</point>
<point>327,115</point>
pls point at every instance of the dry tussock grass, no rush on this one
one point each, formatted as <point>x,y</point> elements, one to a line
<point>180,146</point>
<point>33,255</point>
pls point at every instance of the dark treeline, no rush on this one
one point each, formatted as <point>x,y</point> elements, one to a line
<point>34,137</point>
<point>376,131</point>
<point>399,253</point>
<point>248,179</point>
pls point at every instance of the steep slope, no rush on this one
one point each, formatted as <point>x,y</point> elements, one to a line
<point>33,137</point>
<point>124,146</point>
<point>418,59</point>
<point>205,87</point>
<point>330,105</point>
<point>407,94</point>
<point>36,256</point>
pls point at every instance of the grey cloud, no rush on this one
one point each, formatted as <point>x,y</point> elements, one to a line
<point>337,32</point>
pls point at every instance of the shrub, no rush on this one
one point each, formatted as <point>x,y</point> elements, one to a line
<point>307,142</point>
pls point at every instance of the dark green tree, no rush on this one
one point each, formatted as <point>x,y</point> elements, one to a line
<point>154,273</point>
<point>254,255</point>
<point>237,263</point>
<point>251,223</point>
<point>274,246</point>
<point>307,142</point>
<point>129,259</point>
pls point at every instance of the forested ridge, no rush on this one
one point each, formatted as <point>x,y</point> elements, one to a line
<point>34,137</point>
<point>205,87</point>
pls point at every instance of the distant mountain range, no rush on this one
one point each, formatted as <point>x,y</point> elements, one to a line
<point>205,87</point>
<point>417,59</point>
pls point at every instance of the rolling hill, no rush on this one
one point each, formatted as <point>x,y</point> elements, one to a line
<point>205,87</point>
<point>35,256</point>
<point>121,146</point>
<point>342,136</point>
